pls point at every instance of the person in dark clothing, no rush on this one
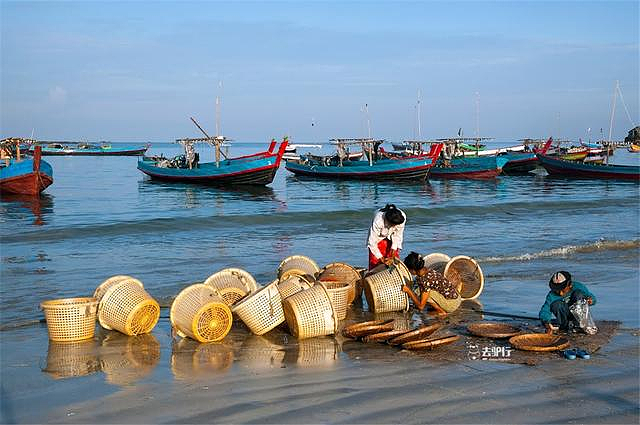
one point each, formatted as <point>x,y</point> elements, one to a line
<point>563,294</point>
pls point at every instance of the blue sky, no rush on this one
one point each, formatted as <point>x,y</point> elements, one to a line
<point>139,70</point>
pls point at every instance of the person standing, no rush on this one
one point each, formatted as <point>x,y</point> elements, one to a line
<point>385,235</point>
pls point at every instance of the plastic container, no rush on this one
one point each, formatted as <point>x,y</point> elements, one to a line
<point>113,280</point>
<point>232,277</point>
<point>292,285</point>
<point>126,307</point>
<point>342,272</point>
<point>310,313</point>
<point>198,312</point>
<point>70,319</point>
<point>261,311</point>
<point>383,290</point>
<point>297,265</point>
<point>339,295</point>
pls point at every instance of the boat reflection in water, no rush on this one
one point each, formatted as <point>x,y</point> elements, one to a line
<point>127,359</point>
<point>192,360</point>
<point>72,359</point>
<point>17,205</point>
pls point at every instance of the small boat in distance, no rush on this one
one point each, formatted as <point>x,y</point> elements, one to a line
<point>102,149</point>
<point>21,175</point>
<point>634,148</point>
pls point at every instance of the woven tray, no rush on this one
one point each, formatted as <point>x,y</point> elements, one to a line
<point>539,342</point>
<point>416,334</point>
<point>428,344</point>
<point>383,336</point>
<point>493,330</point>
<point>358,330</point>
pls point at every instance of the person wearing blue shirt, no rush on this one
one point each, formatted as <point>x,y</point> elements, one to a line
<point>563,294</point>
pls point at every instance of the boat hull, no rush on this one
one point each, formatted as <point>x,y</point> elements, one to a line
<point>475,167</point>
<point>28,176</point>
<point>361,170</point>
<point>263,176</point>
<point>137,151</point>
<point>520,163</point>
<point>558,167</point>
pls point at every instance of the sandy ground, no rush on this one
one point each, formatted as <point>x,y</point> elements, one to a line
<point>277,379</point>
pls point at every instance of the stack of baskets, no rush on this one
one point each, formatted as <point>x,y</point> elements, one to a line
<point>200,313</point>
<point>344,273</point>
<point>310,313</point>
<point>125,306</point>
<point>383,289</point>
<point>261,311</point>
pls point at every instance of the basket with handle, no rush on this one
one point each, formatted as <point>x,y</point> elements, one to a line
<point>113,280</point>
<point>231,295</point>
<point>297,264</point>
<point>342,272</point>
<point>465,273</point>
<point>68,359</point>
<point>126,307</point>
<point>198,312</point>
<point>233,277</point>
<point>436,261</point>
<point>339,295</point>
<point>310,313</point>
<point>70,319</point>
<point>261,311</point>
<point>293,284</point>
<point>383,289</point>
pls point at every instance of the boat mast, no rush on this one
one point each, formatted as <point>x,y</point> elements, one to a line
<point>613,108</point>
<point>477,122</point>
<point>419,113</point>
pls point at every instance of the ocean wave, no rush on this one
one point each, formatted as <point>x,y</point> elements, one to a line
<point>564,251</point>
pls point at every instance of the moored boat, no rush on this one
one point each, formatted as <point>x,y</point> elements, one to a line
<point>21,175</point>
<point>634,148</point>
<point>102,149</point>
<point>472,167</point>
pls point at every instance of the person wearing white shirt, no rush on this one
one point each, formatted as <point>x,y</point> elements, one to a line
<point>385,235</point>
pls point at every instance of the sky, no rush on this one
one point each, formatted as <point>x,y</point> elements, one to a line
<point>106,70</point>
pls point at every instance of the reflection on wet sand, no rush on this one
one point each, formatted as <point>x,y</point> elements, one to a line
<point>127,359</point>
<point>402,320</point>
<point>71,359</point>
<point>192,360</point>
<point>38,206</point>
<point>260,352</point>
<point>314,352</point>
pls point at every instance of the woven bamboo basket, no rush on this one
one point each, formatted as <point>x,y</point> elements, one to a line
<point>232,295</point>
<point>383,336</point>
<point>198,312</point>
<point>342,272</point>
<point>297,264</point>
<point>128,308</point>
<point>259,352</point>
<point>428,344</point>
<point>69,359</point>
<point>436,261</point>
<point>113,280</point>
<point>233,277</point>
<point>416,334</point>
<point>293,284</point>
<point>191,360</point>
<point>383,290</point>
<point>310,313</point>
<point>261,311</point>
<point>338,294</point>
<point>539,342</point>
<point>493,330</point>
<point>466,274</point>
<point>362,329</point>
<point>127,359</point>
<point>70,319</point>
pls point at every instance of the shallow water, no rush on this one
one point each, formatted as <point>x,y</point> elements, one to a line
<point>103,217</point>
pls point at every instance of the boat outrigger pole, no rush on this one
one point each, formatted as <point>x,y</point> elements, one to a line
<point>217,141</point>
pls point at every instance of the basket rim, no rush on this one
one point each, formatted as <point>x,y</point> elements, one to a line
<point>561,342</point>
<point>253,295</point>
<point>434,255</point>
<point>488,329</point>
<point>112,278</point>
<point>60,303</point>
<point>182,294</point>
<point>251,285</point>
<point>107,294</point>
<point>293,257</point>
<point>466,257</point>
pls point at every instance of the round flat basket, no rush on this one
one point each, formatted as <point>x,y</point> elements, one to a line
<point>198,312</point>
<point>436,261</point>
<point>539,342</point>
<point>383,290</point>
<point>310,313</point>
<point>416,334</point>
<point>232,277</point>
<point>128,308</point>
<point>297,264</point>
<point>293,284</point>
<point>383,336</point>
<point>428,344</point>
<point>70,319</point>
<point>114,280</point>
<point>358,330</point>
<point>231,295</point>
<point>342,272</point>
<point>493,330</point>
<point>262,310</point>
<point>465,273</point>
<point>338,294</point>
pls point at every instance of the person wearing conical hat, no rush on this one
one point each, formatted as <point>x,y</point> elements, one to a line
<point>563,294</point>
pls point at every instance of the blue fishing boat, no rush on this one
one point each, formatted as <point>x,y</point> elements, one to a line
<point>256,169</point>
<point>102,149</point>
<point>374,165</point>
<point>23,175</point>
<point>469,167</point>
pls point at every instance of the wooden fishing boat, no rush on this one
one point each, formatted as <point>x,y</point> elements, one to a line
<point>21,175</point>
<point>378,165</point>
<point>521,159</point>
<point>472,167</point>
<point>102,149</point>
<point>560,167</point>
<point>256,169</point>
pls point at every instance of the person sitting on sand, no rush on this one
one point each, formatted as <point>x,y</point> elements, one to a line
<point>563,294</point>
<point>435,288</point>
<point>385,235</point>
